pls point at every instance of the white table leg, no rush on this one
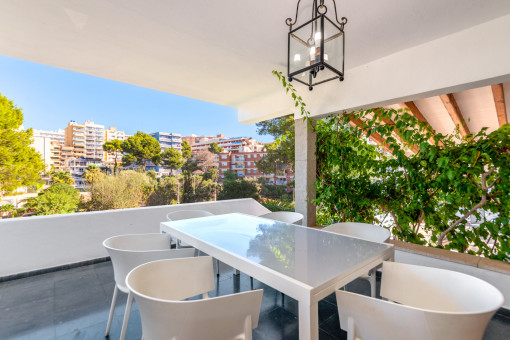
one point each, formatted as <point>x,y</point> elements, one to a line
<point>308,321</point>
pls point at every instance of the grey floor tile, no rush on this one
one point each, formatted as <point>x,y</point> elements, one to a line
<point>34,316</point>
<point>74,304</point>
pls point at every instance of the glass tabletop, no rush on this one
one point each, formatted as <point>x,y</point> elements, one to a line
<point>311,256</point>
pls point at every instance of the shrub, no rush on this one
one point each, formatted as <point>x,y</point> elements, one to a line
<point>129,189</point>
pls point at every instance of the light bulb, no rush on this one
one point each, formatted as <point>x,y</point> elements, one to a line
<point>297,57</point>
<point>317,37</point>
<point>325,56</point>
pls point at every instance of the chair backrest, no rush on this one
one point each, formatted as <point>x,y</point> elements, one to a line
<point>369,232</point>
<point>285,216</point>
<point>158,286</point>
<point>130,251</point>
<point>185,214</point>
<point>366,318</point>
<point>431,303</point>
<point>438,289</point>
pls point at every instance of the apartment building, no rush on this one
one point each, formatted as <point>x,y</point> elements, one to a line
<point>87,139</point>
<point>243,163</point>
<point>110,134</point>
<point>77,168</point>
<point>48,144</point>
<point>227,143</point>
<point>168,140</point>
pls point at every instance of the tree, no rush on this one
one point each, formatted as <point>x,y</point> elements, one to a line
<point>62,177</point>
<point>20,164</point>
<point>92,174</point>
<point>205,160</point>
<point>172,158</point>
<point>229,175</point>
<point>59,198</point>
<point>142,148</point>
<point>281,152</point>
<point>239,188</point>
<point>214,148</point>
<point>114,146</point>
<point>186,150</point>
<point>129,189</point>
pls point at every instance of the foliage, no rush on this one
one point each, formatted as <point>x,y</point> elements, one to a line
<point>214,148</point>
<point>229,175</point>
<point>63,177</point>
<point>7,207</point>
<point>172,158</point>
<point>152,175</point>
<point>281,152</point>
<point>273,191</point>
<point>278,205</point>
<point>239,188</point>
<point>20,164</point>
<point>186,150</point>
<point>205,160</point>
<point>129,189</point>
<point>59,198</point>
<point>142,148</point>
<point>431,185</point>
<point>165,192</point>
<point>113,146</point>
<point>92,174</point>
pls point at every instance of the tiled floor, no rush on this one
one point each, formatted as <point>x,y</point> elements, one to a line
<point>74,304</point>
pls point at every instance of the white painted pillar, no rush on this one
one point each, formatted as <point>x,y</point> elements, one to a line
<point>305,172</point>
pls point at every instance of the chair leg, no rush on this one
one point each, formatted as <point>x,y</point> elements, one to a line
<point>283,299</point>
<point>251,282</point>
<point>373,283</point>
<point>112,308</point>
<point>126,316</point>
<point>217,267</point>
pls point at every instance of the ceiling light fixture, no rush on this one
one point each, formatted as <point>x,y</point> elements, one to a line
<point>316,49</point>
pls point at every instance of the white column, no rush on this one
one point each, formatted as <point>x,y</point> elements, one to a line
<point>305,172</point>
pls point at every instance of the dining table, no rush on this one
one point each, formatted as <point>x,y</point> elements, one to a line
<point>307,264</point>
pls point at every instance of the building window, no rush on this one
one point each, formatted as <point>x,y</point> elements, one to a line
<point>249,156</point>
<point>223,163</point>
<point>249,171</point>
<point>223,156</point>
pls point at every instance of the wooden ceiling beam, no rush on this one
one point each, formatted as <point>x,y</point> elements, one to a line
<point>499,101</point>
<point>415,111</point>
<point>356,122</point>
<point>411,106</point>
<point>451,106</point>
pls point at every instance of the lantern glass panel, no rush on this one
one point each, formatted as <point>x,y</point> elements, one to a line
<point>333,46</point>
<point>302,46</point>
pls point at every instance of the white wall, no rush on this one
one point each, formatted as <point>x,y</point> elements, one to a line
<point>467,59</point>
<point>33,243</point>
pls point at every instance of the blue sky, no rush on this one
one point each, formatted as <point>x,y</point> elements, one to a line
<point>50,97</point>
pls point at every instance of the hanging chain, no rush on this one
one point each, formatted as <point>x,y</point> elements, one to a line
<point>317,9</point>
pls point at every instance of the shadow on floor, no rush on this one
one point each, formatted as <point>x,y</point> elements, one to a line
<point>74,304</point>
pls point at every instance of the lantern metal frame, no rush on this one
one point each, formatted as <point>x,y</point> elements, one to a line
<point>319,11</point>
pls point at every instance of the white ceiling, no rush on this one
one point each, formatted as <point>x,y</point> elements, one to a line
<point>219,51</point>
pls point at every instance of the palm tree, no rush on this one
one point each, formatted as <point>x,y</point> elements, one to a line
<point>92,174</point>
<point>114,146</point>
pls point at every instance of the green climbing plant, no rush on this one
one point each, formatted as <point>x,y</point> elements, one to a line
<point>439,190</point>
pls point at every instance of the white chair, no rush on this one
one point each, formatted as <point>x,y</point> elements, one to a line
<point>431,303</point>
<point>285,216</point>
<point>130,251</point>
<point>159,288</point>
<point>187,214</point>
<point>184,215</point>
<point>367,232</point>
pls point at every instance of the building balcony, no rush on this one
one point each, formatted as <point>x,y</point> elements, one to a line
<point>62,281</point>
